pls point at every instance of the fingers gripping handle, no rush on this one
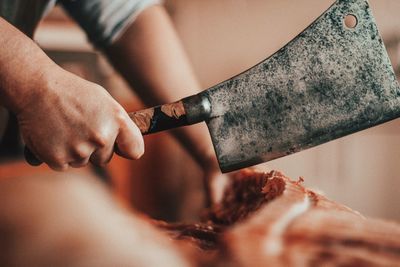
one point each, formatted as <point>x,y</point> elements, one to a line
<point>150,120</point>
<point>188,111</point>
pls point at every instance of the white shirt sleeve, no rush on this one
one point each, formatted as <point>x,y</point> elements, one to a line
<point>105,20</point>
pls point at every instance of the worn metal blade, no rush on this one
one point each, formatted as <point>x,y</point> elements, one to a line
<point>328,82</point>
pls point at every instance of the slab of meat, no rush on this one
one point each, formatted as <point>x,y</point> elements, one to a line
<point>263,219</point>
<point>266,219</point>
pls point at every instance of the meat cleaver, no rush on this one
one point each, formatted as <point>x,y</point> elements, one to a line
<point>329,81</point>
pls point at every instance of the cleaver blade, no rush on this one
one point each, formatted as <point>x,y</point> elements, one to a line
<point>330,81</point>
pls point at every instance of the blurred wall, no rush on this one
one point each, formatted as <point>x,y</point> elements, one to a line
<point>225,37</point>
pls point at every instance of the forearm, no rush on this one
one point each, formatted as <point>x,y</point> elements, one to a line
<point>151,58</point>
<point>22,66</point>
<point>79,120</point>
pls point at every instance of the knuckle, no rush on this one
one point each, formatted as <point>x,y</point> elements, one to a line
<point>58,160</point>
<point>100,139</point>
<point>81,151</point>
<point>64,167</point>
<point>120,115</point>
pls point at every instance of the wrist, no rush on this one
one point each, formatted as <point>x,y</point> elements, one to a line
<point>34,86</point>
<point>23,68</point>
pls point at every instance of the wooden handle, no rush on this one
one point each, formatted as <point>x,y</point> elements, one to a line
<point>160,118</point>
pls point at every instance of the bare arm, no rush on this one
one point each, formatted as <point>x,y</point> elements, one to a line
<point>64,120</point>
<point>151,58</point>
<point>22,67</point>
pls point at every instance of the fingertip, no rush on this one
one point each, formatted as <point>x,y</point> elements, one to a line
<point>79,163</point>
<point>129,142</point>
<point>59,168</point>
<point>139,148</point>
<point>128,152</point>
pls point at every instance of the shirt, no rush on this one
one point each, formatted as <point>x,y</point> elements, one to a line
<point>102,20</point>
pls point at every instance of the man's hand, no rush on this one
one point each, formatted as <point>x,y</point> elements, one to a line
<point>70,122</point>
<point>65,120</point>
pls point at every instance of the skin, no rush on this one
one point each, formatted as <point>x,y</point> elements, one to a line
<point>159,70</point>
<point>67,121</point>
<point>152,59</point>
<point>60,119</point>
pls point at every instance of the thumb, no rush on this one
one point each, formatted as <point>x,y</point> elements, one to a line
<point>129,142</point>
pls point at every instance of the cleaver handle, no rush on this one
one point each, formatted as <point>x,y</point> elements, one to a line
<point>187,111</point>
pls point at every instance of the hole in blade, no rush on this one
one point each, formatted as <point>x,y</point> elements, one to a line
<point>350,21</point>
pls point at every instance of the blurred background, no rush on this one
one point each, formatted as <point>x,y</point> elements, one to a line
<point>223,38</point>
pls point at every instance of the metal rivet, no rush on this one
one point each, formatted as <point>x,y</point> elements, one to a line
<point>350,21</point>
